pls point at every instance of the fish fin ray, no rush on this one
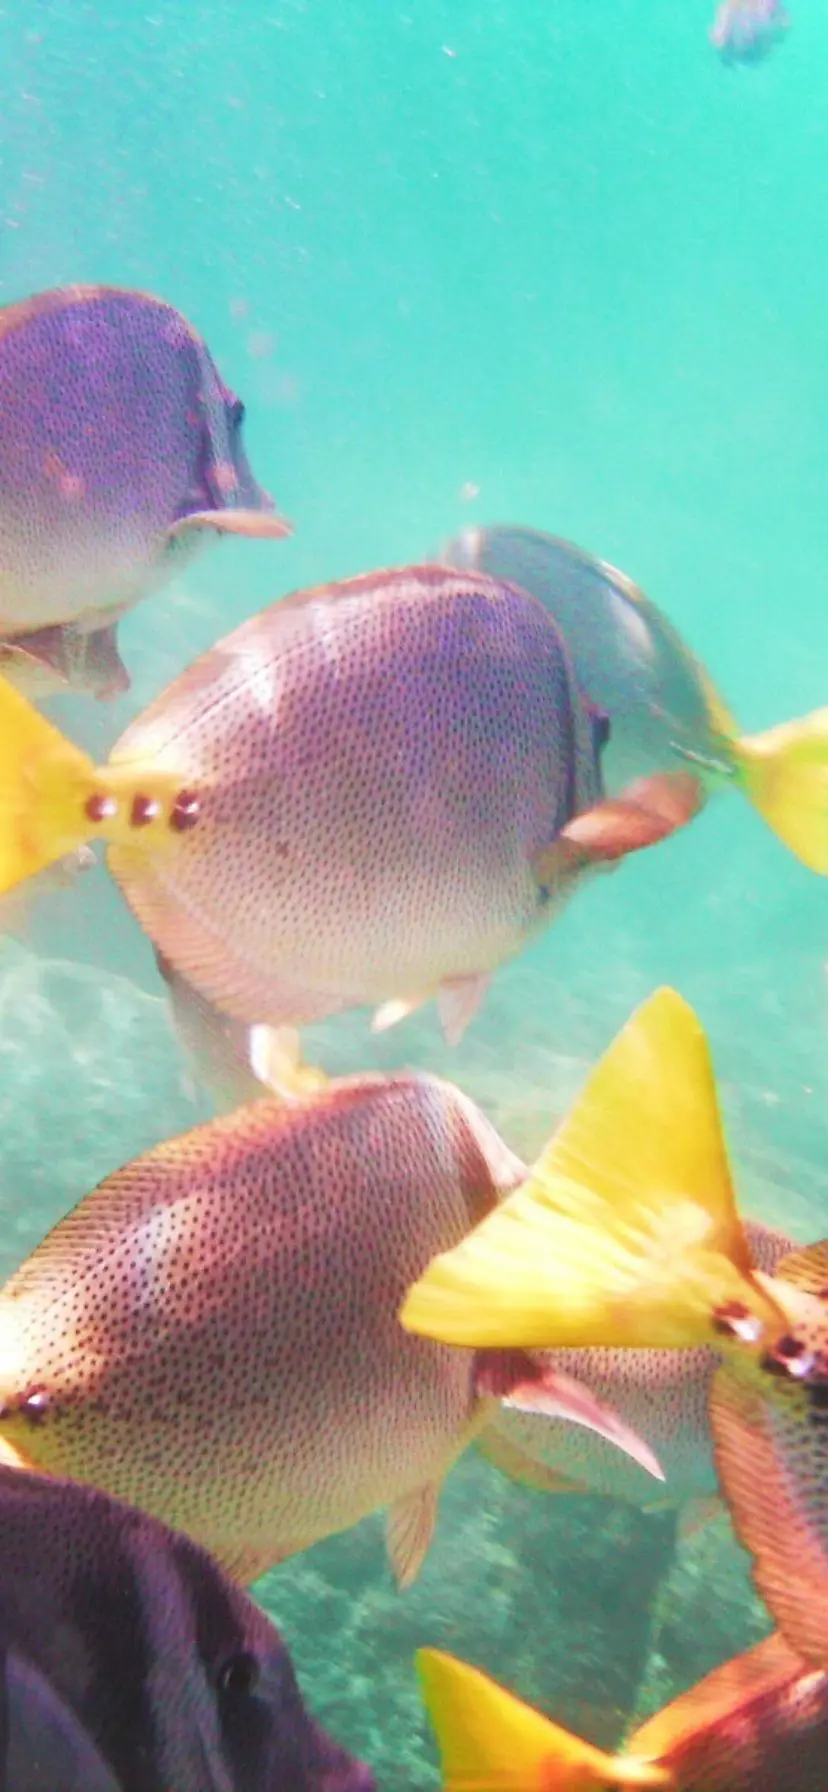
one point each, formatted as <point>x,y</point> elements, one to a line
<point>409,1530</point>
<point>517,1465</point>
<point>261,524</point>
<point>458,1001</point>
<point>390,1014</point>
<point>530,1385</point>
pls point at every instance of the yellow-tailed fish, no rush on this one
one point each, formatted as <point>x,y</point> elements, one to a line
<point>121,451</point>
<point>663,708</point>
<point>663,1395</point>
<point>372,793</point>
<point>757,1724</point>
<point>626,1230</point>
<point>769,1416</point>
<point>212,1333</point>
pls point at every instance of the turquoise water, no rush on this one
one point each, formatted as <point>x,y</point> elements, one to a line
<point>557,253</point>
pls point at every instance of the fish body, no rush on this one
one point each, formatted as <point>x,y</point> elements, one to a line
<point>122,448</point>
<point>769,1419</point>
<point>628,658</point>
<point>663,1395</point>
<point>372,793</point>
<point>747,30</point>
<point>212,1333</point>
<point>757,1724</point>
<point>664,710</point>
<point>129,1663</point>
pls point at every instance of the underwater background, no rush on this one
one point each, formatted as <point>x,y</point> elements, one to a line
<point>467,261</point>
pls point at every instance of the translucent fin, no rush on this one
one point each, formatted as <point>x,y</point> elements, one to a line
<point>260,523</point>
<point>533,1385</point>
<point>458,1002</point>
<point>490,1741</point>
<point>626,1231</point>
<point>785,775</point>
<point>390,1014</point>
<point>519,1466</point>
<point>409,1530</point>
<point>49,791</point>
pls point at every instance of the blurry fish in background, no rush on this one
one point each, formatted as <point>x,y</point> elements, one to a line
<point>747,30</point>
<point>212,1333</point>
<point>235,1063</point>
<point>664,1397</point>
<point>373,793</point>
<point>16,909</point>
<point>121,450</point>
<point>626,1232</point>
<point>757,1724</point>
<point>664,711</point>
<point>769,1417</point>
<point>128,1663</point>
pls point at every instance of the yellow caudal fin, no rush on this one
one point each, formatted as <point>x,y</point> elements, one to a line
<point>53,798</point>
<point>626,1231</point>
<point>489,1741</point>
<point>785,775</point>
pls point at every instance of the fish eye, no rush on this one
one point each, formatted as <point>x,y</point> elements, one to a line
<point>789,1357</point>
<point>239,1674</point>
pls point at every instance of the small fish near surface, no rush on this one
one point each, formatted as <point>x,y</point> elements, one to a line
<point>372,793</point>
<point>747,30</point>
<point>769,1418</point>
<point>757,1724</point>
<point>129,1663</point>
<point>663,708</point>
<point>121,450</point>
<point>212,1333</point>
<point>626,1232</point>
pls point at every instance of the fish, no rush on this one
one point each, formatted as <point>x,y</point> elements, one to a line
<point>129,1663</point>
<point>626,1232</point>
<point>769,1420</point>
<point>235,1063</point>
<point>747,30</point>
<point>371,794</point>
<point>122,454</point>
<point>759,1723</point>
<point>212,1333</point>
<point>664,710</point>
<point>664,1397</point>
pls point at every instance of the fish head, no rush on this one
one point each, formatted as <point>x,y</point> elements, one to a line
<point>117,431</point>
<point>769,1417</point>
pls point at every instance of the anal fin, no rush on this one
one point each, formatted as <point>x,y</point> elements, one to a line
<point>409,1530</point>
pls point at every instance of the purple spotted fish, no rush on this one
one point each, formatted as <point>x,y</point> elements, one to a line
<point>128,1663</point>
<point>121,449</point>
<point>371,794</point>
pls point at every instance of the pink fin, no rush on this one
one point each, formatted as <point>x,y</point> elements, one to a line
<point>389,1014</point>
<point>649,811</point>
<point>458,1001</point>
<point>527,1385</point>
<point>409,1530</point>
<point>263,524</point>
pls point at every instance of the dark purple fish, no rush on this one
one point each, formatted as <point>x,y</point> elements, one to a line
<point>129,1663</point>
<point>121,451</point>
<point>746,30</point>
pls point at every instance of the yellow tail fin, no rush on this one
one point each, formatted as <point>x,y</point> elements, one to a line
<point>53,798</point>
<point>785,774</point>
<point>626,1231</point>
<point>490,1741</point>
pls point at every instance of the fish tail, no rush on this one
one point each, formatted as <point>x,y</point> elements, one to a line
<point>490,1741</point>
<point>625,1232</point>
<point>784,773</point>
<point>54,799</point>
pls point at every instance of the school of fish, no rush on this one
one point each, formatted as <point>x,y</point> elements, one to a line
<point>369,796</point>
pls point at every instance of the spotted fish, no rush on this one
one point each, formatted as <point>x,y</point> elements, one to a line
<point>121,451</point>
<point>212,1333</point>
